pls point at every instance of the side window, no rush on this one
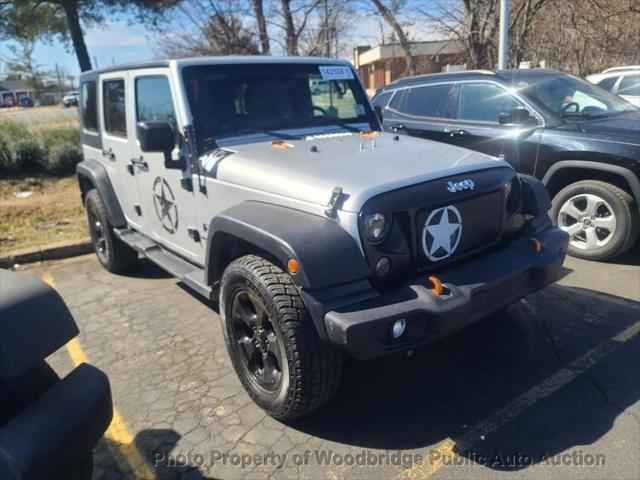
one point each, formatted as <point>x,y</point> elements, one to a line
<point>484,102</point>
<point>630,85</point>
<point>115,120</point>
<point>607,83</point>
<point>88,107</point>
<point>397,101</point>
<point>382,100</point>
<point>430,101</point>
<point>153,100</point>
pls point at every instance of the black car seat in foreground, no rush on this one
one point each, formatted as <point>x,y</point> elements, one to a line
<point>48,426</point>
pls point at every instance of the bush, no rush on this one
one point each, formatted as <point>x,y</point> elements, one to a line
<point>64,157</point>
<point>6,156</point>
<point>52,136</point>
<point>30,155</point>
<point>52,149</point>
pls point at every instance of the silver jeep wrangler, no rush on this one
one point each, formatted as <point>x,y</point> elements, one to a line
<point>267,185</point>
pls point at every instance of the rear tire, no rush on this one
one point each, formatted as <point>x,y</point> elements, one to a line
<point>272,341</point>
<point>113,254</point>
<point>601,219</point>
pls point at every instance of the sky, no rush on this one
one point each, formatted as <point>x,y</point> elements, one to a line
<point>114,42</point>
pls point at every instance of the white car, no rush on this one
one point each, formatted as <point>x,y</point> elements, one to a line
<point>70,99</point>
<point>623,81</point>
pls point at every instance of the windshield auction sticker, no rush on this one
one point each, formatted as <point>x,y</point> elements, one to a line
<point>335,72</point>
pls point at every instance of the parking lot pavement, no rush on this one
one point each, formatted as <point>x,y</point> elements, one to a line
<point>550,389</point>
<point>36,115</point>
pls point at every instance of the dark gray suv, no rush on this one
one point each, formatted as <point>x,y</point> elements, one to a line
<point>580,140</point>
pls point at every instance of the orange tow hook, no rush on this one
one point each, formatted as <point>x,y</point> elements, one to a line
<point>537,245</point>
<point>437,285</point>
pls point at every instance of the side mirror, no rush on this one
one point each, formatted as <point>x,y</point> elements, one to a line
<point>515,116</point>
<point>156,136</point>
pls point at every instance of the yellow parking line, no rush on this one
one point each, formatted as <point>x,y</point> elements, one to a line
<point>446,451</point>
<point>117,432</point>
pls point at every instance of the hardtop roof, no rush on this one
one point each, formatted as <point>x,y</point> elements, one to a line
<point>215,60</point>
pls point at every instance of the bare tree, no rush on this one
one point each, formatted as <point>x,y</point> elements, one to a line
<point>472,23</point>
<point>328,28</point>
<point>209,27</point>
<point>389,15</point>
<point>292,18</point>
<point>522,22</point>
<point>599,34</point>
<point>258,9</point>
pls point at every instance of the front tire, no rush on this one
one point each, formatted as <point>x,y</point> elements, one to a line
<point>113,254</point>
<point>601,219</point>
<point>272,342</point>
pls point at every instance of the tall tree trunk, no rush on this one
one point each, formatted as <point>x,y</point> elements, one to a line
<point>75,30</point>
<point>262,27</point>
<point>410,68</point>
<point>290,31</point>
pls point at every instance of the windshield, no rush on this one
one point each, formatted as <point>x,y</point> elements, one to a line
<point>568,96</point>
<point>228,100</point>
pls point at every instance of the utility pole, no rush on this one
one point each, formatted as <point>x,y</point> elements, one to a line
<point>503,51</point>
<point>59,77</point>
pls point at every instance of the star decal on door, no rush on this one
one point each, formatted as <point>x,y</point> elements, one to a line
<point>165,203</point>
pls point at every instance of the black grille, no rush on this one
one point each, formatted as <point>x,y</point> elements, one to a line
<point>479,223</point>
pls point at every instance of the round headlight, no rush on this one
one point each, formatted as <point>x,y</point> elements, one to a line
<point>376,226</point>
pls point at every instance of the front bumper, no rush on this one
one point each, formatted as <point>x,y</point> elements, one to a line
<point>473,290</point>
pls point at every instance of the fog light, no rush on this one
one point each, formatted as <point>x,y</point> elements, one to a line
<point>383,267</point>
<point>398,327</point>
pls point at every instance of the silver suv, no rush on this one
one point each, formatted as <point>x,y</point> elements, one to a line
<point>315,232</point>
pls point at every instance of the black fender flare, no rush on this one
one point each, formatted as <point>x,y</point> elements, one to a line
<point>326,253</point>
<point>96,173</point>
<point>631,179</point>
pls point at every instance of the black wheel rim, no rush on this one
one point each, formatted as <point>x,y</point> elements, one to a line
<point>97,231</point>
<point>260,350</point>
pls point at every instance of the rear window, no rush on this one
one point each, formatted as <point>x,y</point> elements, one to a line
<point>630,85</point>
<point>115,120</point>
<point>608,83</point>
<point>436,101</point>
<point>382,99</point>
<point>89,110</point>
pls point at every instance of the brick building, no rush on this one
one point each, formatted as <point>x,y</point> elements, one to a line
<point>381,65</point>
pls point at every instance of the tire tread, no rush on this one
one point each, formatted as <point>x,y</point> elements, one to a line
<point>317,365</point>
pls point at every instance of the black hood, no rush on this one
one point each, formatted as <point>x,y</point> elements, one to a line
<point>623,126</point>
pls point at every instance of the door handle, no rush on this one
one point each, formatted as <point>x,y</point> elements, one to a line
<point>139,162</point>
<point>458,133</point>
<point>109,154</point>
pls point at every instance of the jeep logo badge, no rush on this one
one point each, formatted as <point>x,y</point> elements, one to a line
<point>467,184</point>
<point>441,233</point>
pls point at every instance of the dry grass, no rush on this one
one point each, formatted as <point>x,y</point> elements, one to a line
<point>53,213</point>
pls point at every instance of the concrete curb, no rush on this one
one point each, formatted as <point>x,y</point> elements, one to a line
<point>54,251</point>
